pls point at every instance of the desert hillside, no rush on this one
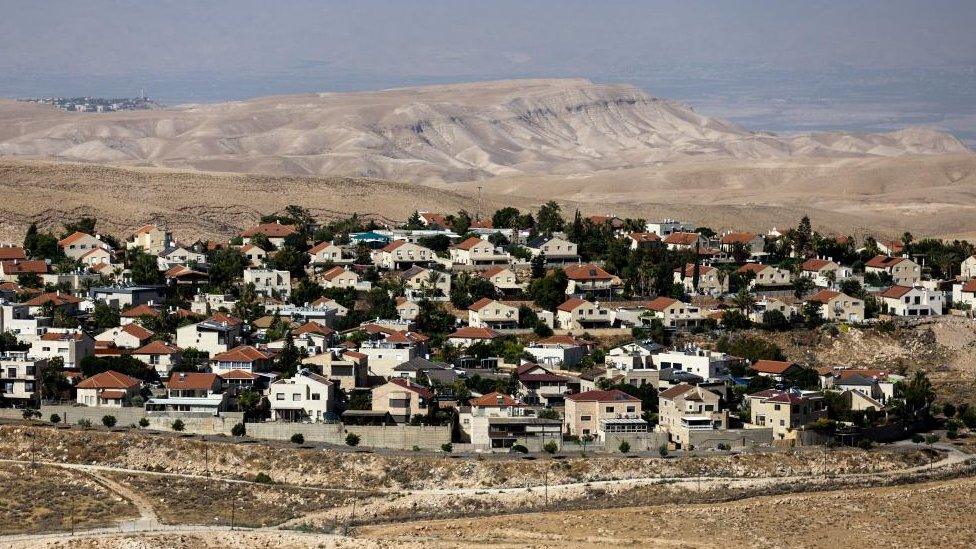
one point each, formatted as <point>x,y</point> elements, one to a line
<point>928,195</point>
<point>440,133</point>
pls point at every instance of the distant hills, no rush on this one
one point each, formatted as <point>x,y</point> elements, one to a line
<point>451,133</point>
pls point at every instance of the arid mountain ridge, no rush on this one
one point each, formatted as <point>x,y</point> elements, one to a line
<point>436,134</point>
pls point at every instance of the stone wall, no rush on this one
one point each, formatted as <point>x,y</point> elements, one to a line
<point>734,438</point>
<point>403,437</point>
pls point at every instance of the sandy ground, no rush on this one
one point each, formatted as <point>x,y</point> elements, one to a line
<point>928,515</point>
<point>927,195</point>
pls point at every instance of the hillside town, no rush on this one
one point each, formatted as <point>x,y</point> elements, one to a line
<point>516,332</point>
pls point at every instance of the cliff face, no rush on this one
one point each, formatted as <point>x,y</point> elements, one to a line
<point>439,133</point>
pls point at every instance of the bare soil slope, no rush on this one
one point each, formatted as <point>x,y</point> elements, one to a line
<point>439,133</point>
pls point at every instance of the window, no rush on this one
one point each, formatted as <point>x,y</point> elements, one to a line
<point>316,396</point>
<point>631,409</point>
<point>280,396</point>
<point>585,418</point>
<point>776,407</point>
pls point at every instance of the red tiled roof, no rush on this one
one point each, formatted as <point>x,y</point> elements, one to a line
<point>191,380</point>
<point>62,336</point>
<point>645,237</point>
<point>738,238</point>
<point>145,229</point>
<point>571,304</point>
<point>750,268</point>
<point>225,318</point>
<point>241,353</point>
<point>492,272</point>
<point>596,395</point>
<point>406,384</point>
<point>332,273</point>
<point>586,271</point>
<point>660,303</point>
<point>137,331</point>
<point>470,332</point>
<point>354,354</point>
<point>969,286</point>
<point>111,394</point>
<point>434,218</point>
<point>140,310</point>
<point>480,304</point>
<point>313,328</point>
<point>689,270</point>
<point>17,266</point>
<point>72,238</point>
<point>238,374</point>
<point>814,264</point>
<point>895,292</point>
<point>55,298</point>
<point>682,239</point>
<point>8,253</point>
<point>270,230</point>
<point>393,245</point>
<point>468,243</point>
<point>823,296</point>
<point>883,262</point>
<point>109,379</point>
<point>678,389</point>
<point>493,400</point>
<point>320,246</point>
<point>157,348</point>
<point>772,366</point>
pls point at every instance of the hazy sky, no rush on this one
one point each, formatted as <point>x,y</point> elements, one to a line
<point>722,53</point>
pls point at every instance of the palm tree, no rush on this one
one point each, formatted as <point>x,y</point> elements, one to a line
<point>831,277</point>
<point>744,301</point>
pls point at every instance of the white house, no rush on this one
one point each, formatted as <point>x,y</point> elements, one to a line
<point>558,350</point>
<point>703,363</point>
<point>306,397</point>
<point>490,313</point>
<point>912,301</point>
<point>269,282</point>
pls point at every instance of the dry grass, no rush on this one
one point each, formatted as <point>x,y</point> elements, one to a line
<point>136,450</point>
<point>201,501</point>
<point>936,514</point>
<point>55,499</point>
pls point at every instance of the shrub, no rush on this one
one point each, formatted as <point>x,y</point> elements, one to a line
<point>144,422</point>
<point>55,418</point>
<point>722,446</point>
<point>917,438</point>
<point>949,409</point>
<point>108,421</point>
<point>663,450</point>
<point>952,434</point>
<point>550,447</point>
<point>519,449</point>
<point>84,422</point>
<point>298,438</point>
<point>263,478</point>
<point>352,439</point>
<point>416,448</point>
<point>447,447</point>
<point>865,444</point>
<point>178,425</point>
<point>932,439</point>
<point>624,447</point>
<point>238,430</point>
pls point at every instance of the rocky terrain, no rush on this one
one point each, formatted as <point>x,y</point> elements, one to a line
<point>143,452</point>
<point>458,132</point>
<point>927,515</point>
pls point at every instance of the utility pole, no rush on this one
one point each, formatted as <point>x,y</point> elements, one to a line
<point>546,470</point>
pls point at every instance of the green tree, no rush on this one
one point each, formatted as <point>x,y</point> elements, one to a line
<point>104,317</point>
<point>226,266</point>
<point>108,421</point>
<point>505,218</point>
<point>143,267</point>
<point>178,425</point>
<point>248,307</point>
<point>550,218</point>
<point>238,430</point>
<point>352,439</point>
<point>624,447</point>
